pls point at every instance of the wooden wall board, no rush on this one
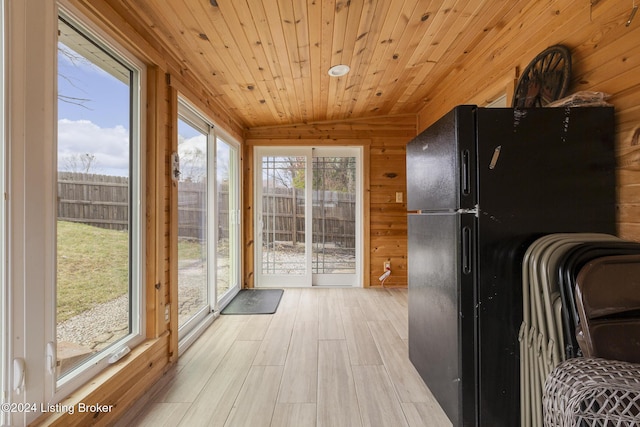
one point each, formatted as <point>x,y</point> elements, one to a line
<point>401,126</point>
<point>606,58</point>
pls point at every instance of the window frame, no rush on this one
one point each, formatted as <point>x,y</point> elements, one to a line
<point>235,202</point>
<point>193,116</point>
<point>192,328</point>
<point>94,365</point>
<point>4,320</point>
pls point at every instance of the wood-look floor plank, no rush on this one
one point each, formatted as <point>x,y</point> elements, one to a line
<point>378,403</point>
<point>294,415</point>
<point>300,378</point>
<point>257,399</point>
<point>400,296</point>
<point>348,297</point>
<point>308,305</point>
<point>222,325</point>
<point>428,414</point>
<point>361,345</point>
<point>162,415</point>
<point>206,357</point>
<point>395,355</point>
<point>337,399</point>
<point>275,345</point>
<point>371,305</point>
<point>255,327</point>
<point>398,316</point>
<point>289,301</point>
<point>281,374</point>
<point>215,401</point>
<point>330,319</point>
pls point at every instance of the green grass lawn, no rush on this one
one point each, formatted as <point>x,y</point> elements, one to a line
<point>93,267</point>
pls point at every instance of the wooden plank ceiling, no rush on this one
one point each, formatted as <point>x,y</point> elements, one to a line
<point>266,61</point>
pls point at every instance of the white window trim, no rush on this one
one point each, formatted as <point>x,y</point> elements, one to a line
<point>96,364</point>
<point>30,207</point>
<point>4,366</point>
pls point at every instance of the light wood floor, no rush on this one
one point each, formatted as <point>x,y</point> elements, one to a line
<point>328,357</point>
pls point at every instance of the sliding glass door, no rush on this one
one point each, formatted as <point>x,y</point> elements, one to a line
<point>308,220</point>
<point>194,300</point>
<point>208,219</point>
<point>228,221</point>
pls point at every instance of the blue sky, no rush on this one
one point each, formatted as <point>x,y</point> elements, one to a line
<point>93,118</point>
<point>96,122</point>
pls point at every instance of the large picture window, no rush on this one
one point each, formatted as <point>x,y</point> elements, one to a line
<point>99,233</point>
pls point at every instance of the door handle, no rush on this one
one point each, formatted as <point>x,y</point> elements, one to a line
<point>467,250</point>
<point>19,370</point>
<point>466,180</point>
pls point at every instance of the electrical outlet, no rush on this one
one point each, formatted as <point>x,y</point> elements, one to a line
<point>399,196</point>
<point>386,266</point>
<point>167,310</point>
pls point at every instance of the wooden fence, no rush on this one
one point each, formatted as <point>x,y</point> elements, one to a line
<point>333,217</point>
<point>99,200</point>
<point>102,201</point>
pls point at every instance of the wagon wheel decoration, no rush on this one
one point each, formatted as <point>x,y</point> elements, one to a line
<point>545,79</point>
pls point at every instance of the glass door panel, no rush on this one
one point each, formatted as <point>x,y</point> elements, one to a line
<point>282,222</point>
<point>334,220</point>
<point>193,289</point>
<point>227,249</point>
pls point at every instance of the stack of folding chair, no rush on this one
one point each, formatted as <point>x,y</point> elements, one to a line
<point>581,297</point>
<point>608,305</point>
<point>542,333</point>
<point>600,286</point>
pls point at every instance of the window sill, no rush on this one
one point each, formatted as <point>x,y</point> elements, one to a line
<point>111,393</point>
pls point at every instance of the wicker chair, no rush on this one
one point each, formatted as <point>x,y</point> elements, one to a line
<point>589,392</point>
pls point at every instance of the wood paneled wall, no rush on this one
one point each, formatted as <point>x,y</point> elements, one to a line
<point>385,174</point>
<point>606,58</point>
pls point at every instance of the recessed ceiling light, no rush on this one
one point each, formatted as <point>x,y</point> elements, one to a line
<point>339,70</point>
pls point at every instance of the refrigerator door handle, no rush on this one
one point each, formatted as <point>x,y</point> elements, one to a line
<point>466,183</point>
<point>467,250</point>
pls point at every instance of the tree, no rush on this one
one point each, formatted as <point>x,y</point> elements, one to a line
<point>75,59</point>
<point>79,162</point>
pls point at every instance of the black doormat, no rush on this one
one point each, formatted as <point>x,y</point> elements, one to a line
<point>254,301</point>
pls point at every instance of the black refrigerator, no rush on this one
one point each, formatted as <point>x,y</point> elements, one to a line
<point>482,184</point>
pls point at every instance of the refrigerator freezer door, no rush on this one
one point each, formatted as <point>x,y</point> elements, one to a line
<point>441,164</point>
<point>555,169</point>
<point>442,310</point>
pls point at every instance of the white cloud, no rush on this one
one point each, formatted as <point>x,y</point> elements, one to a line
<point>193,157</point>
<point>196,143</point>
<point>110,146</point>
